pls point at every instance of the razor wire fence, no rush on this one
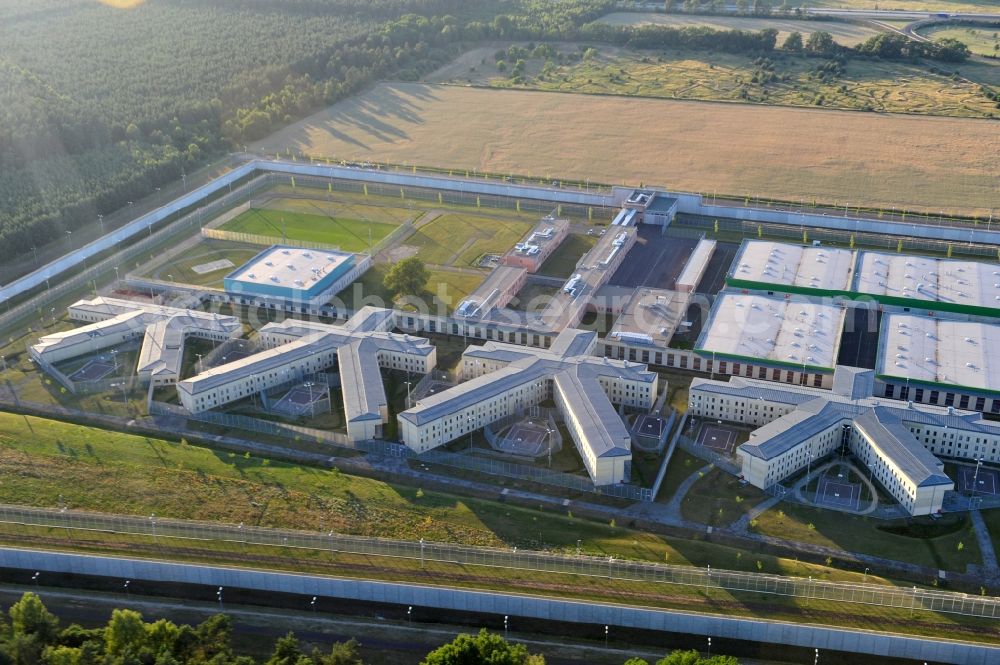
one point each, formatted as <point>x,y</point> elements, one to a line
<point>695,224</point>
<point>266,241</point>
<point>612,568</point>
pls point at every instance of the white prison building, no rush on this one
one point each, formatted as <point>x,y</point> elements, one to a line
<point>294,348</point>
<point>114,321</point>
<point>502,379</point>
<point>899,443</point>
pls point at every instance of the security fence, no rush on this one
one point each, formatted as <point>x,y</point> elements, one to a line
<point>266,241</point>
<point>912,598</point>
<point>709,226</point>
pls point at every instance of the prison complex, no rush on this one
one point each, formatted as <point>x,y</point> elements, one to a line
<point>294,349</point>
<point>898,442</point>
<point>112,321</point>
<point>503,379</point>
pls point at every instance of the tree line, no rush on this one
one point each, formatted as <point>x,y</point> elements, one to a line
<point>33,636</point>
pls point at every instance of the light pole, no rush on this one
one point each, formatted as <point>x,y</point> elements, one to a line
<point>505,624</point>
<point>549,432</point>
<point>219,596</point>
<point>312,603</point>
<point>409,612</point>
<point>816,660</point>
<point>710,647</point>
<point>34,578</point>
<point>865,578</point>
<point>100,218</point>
<point>606,637</point>
<point>127,582</point>
<point>421,552</point>
<point>975,482</point>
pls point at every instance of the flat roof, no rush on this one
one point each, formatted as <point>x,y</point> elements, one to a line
<point>482,301</point>
<point>773,330</point>
<point>696,264</point>
<point>661,203</point>
<point>651,316</point>
<point>947,281</point>
<point>591,274</point>
<point>540,237</point>
<point>939,351</point>
<point>290,267</point>
<point>801,266</point>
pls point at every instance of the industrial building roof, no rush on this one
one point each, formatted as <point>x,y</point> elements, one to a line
<point>939,351</point>
<point>540,237</point>
<point>661,203</point>
<point>883,421</point>
<point>484,299</point>
<point>773,330</point>
<point>591,274</point>
<point>651,316</point>
<point>804,267</point>
<point>290,267</point>
<point>946,281</point>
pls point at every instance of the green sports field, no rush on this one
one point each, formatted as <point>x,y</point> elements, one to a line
<point>349,233</point>
<point>461,239</point>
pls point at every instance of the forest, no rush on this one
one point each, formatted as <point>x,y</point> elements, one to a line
<point>34,636</point>
<point>99,106</point>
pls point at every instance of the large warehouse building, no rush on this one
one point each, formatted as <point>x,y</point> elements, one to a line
<point>893,280</point>
<point>898,443</point>
<point>112,321</point>
<point>940,361</point>
<point>294,274</point>
<point>503,379</point>
<point>293,348</point>
<point>772,338</point>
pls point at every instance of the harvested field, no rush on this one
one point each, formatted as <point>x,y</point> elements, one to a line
<point>929,163</point>
<point>847,34</point>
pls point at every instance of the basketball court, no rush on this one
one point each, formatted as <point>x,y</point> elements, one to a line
<point>93,370</point>
<point>524,439</point>
<point>302,400</point>
<point>985,482</point>
<point>651,426</point>
<point>838,493</point>
<point>720,439</point>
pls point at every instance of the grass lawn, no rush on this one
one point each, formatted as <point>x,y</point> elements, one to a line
<point>445,289</point>
<point>460,240</point>
<point>717,499</point>
<point>562,262</point>
<point>924,541</point>
<point>981,39</point>
<point>349,234</point>
<point>122,473</point>
<point>890,87</point>
<point>181,268</point>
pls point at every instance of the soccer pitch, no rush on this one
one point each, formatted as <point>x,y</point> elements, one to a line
<point>337,228</point>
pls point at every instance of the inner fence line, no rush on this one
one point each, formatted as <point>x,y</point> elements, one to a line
<point>514,559</point>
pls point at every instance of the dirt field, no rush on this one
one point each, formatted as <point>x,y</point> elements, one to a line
<point>833,156</point>
<point>847,34</point>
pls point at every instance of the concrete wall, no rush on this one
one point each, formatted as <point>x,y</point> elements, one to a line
<point>597,614</point>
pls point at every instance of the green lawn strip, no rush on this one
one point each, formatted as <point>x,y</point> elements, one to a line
<point>602,589</point>
<point>470,236</point>
<point>181,268</point>
<point>445,289</point>
<point>948,544</point>
<point>718,499</point>
<point>113,472</point>
<point>350,235</point>
<point>563,261</point>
